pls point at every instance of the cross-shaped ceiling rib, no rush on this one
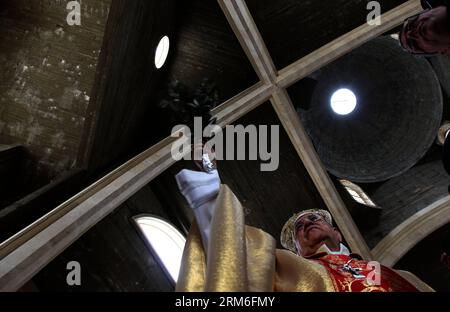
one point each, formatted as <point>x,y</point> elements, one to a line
<point>273,86</point>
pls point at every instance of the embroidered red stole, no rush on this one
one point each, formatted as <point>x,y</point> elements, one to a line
<point>345,281</point>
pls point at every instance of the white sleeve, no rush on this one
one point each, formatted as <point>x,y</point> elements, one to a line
<point>200,190</point>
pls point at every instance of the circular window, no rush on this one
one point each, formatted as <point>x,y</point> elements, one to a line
<point>162,51</point>
<point>343,101</point>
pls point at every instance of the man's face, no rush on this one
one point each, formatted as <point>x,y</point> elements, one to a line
<point>312,231</point>
<point>427,33</point>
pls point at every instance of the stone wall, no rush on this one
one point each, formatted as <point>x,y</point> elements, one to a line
<point>47,70</point>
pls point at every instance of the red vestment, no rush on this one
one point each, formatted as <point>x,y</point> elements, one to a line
<point>345,281</point>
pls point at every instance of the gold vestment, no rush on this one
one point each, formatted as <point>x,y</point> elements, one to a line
<point>242,258</point>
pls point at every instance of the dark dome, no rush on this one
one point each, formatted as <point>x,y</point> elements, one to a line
<point>395,121</point>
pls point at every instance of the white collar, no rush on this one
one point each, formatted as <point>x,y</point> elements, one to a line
<point>343,251</point>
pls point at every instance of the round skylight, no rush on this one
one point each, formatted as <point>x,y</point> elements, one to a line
<point>343,101</point>
<point>162,51</point>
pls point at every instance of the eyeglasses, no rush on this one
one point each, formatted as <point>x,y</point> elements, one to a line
<point>312,217</point>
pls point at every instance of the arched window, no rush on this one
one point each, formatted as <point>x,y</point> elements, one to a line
<point>165,241</point>
<point>357,193</point>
